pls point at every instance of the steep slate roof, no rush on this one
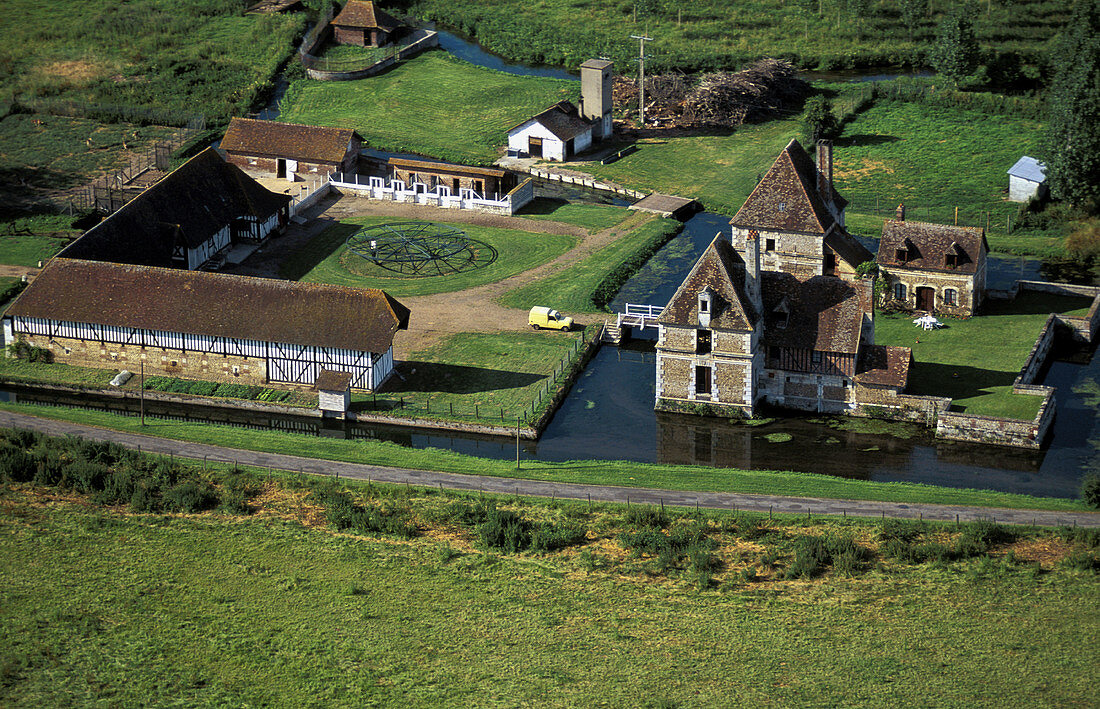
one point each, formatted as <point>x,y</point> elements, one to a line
<point>791,182</point>
<point>884,366</point>
<point>363,14</point>
<point>824,313</point>
<point>848,247</point>
<point>931,241</point>
<point>328,380</point>
<point>445,167</point>
<point>1029,169</point>
<point>214,304</point>
<point>562,119</point>
<point>722,269</point>
<point>190,204</point>
<point>248,136</point>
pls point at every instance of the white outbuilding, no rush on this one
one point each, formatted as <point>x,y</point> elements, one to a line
<point>558,133</point>
<point>1026,179</point>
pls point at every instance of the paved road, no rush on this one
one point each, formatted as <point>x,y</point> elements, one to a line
<point>538,488</point>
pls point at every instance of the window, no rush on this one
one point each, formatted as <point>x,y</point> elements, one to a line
<point>950,260</point>
<point>782,207</point>
<point>702,341</point>
<point>816,357</point>
<point>901,255</point>
<point>702,380</point>
<point>703,305</point>
<point>769,244</point>
<point>950,296</point>
<point>899,291</point>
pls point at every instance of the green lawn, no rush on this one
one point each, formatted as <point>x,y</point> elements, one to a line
<point>496,376</point>
<point>102,607</point>
<point>622,473</point>
<point>431,104</point>
<point>975,361</point>
<point>203,56</point>
<point>326,259</point>
<point>571,289</point>
<point>19,370</point>
<point>593,217</point>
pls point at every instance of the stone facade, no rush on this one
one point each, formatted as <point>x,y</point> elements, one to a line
<point>952,294</point>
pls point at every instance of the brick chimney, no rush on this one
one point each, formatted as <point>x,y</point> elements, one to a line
<point>752,270</point>
<point>825,169</point>
<point>900,215</point>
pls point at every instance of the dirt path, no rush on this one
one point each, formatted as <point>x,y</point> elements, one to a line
<point>435,317</point>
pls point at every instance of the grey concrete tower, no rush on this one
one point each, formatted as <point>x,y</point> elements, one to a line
<point>596,101</point>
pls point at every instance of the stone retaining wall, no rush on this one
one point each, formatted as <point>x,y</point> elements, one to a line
<point>586,182</point>
<point>429,40</point>
<point>993,430</point>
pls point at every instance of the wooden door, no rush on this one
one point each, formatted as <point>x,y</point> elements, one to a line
<point>926,298</point>
<point>534,147</point>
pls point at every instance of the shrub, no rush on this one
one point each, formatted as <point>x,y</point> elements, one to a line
<point>505,530</point>
<point>646,516</point>
<point>902,530</point>
<point>16,466</point>
<point>21,349</point>
<point>1090,490</point>
<point>981,536</point>
<point>191,496</point>
<point>810,559</point>
<point>550,537</point>
<point>1082,561</point>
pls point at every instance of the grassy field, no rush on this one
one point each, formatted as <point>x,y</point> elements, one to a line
<point>593,217</point>
<point>497,376</point>
<point>572,289</point>
<point>431,104</point>
<point>101,606</point>
<point>622,473</point>
<point>326,259</point>
<point>20,370</point>
<point>825,35</point>
<point>975,361</point>
<point>203,56</point>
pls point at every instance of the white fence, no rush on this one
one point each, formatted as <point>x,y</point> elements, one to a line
<point>639,315</point>
<point>441,195</point>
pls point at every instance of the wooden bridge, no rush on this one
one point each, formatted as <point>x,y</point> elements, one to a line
<point>633,316</point>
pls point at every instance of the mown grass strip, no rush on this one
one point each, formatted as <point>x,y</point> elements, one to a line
<point>621,473</point>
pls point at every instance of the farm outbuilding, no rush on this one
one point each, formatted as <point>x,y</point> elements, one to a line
<point>484,182</point>
<point>364,25</point>
<point>187,218</point>
<point>1027,179</point>
<point>208,326</point>
<point>289,150</point>
<point>558,133</point>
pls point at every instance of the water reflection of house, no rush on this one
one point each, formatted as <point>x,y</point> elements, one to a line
<point>933,267</point>
<point>795,329</point>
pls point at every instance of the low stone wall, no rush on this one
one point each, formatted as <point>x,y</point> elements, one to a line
<point>954,426</point>
<point>1039,353</point>
<point>909,408</point>
<point>1082,328</point>
<point>313,198</point>
<point>588,182</point>
<point>427,40</point>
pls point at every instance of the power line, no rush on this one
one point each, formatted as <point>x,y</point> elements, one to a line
<point>642,39</point>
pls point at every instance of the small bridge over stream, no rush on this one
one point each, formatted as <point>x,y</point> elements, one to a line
<point>633,316</point>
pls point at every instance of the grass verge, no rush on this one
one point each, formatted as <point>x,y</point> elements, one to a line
<point>622,473</point>
<point>593,217</point>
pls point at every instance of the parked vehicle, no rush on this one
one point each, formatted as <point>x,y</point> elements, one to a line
<point>549,318</point>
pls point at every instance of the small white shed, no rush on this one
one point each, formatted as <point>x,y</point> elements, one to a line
<point>333,393</point>
<point>1026,179</point>
<point>558,133</point>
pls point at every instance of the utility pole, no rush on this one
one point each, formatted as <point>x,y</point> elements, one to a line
<point>642,39</point>
<point>142,390</point>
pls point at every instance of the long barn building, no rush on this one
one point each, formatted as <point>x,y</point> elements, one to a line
<point>210,326</point>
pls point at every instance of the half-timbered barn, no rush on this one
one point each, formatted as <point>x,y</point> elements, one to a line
<point>798,216</point>
<point>288,150</point>
<point>185,219</point>
<point>484,182</point>
<point>734,335</point>
<point>363,24</point>
<point>936,268</point>
<point>210,326</point>
<point>558,133</point>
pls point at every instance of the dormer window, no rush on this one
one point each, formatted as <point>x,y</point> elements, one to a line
<point>950,260</point>
<point>704,305</point>
<point>782,207</point>
<point>901,255</point>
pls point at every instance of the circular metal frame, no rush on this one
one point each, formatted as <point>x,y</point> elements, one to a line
<point>420,248</point>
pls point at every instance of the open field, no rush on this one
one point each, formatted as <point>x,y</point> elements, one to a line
<point>204,56</point>
<point>593,217</point>
<point>620,473</point>
<point>326,259</point>
<point>975,361</point>
<point>824,35</point>
<point>106,606</point>
<point>431,104</point>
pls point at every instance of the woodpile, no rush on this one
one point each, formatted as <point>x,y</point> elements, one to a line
<point>761,91</point>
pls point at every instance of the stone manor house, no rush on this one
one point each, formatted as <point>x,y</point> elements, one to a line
<point>775,311</point>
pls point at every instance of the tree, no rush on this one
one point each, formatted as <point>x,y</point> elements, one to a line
<point>912,12</point>
<point>818,120</point>
<point>955,53</point>
<point>1071,149</point>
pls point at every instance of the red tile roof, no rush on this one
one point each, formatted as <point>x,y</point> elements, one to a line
<point>363,13</point>
<point>822,313</point>
<point>926,244</point>
<point>884,366</point>
<point>722,269</point>
<point>787,198</point>
<point>214,304</point>
<point>247,136</point>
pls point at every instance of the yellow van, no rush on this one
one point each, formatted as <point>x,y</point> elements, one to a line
<point>539,318</point>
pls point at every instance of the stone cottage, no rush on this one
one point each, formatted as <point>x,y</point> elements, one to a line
<point>289,150</point>
<point>932,267</point>
<point>364,25</point>
<point>798,217</point>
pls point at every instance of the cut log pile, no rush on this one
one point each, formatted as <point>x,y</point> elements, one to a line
<point>762,91</point>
